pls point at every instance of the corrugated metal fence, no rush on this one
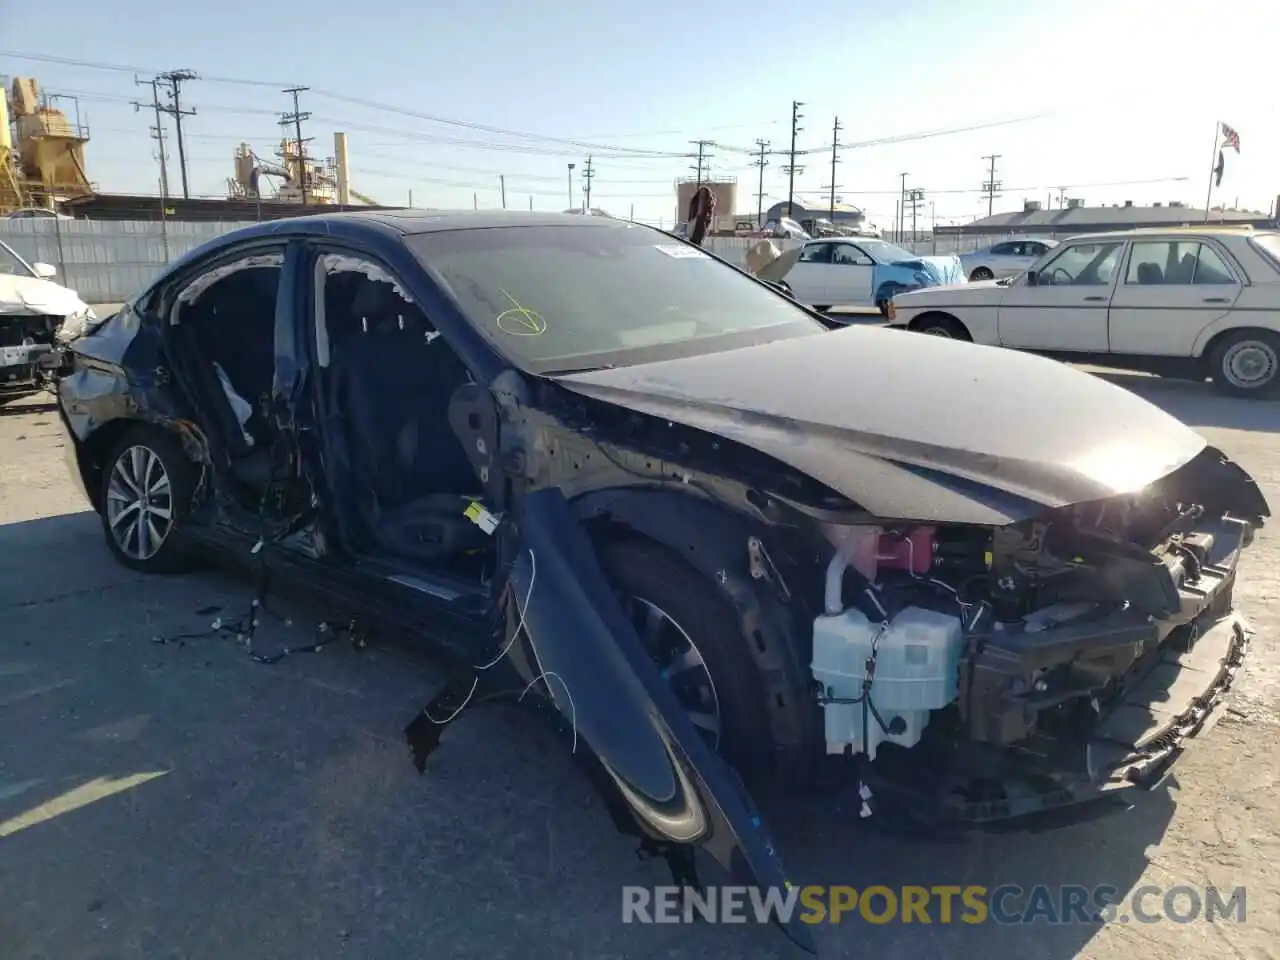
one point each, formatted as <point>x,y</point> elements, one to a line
<point>108,261</point>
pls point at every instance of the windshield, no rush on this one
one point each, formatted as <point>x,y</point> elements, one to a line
<point>882,252</point>
<point>559,298</point>
<point>11,263</point>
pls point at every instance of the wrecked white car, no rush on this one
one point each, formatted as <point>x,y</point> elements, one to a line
<point>37,315</point>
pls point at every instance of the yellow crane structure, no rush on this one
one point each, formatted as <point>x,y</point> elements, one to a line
<point>41,151</point>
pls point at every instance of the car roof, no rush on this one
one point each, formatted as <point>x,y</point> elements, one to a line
<point>409,222</point>
<point>1192,229</point>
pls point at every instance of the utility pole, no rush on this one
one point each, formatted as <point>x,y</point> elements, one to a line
<point>915,197</point>
<point>835,158</point>
<point>761,162</point>
<point>174,80</point>
<point>502,182</point>
<point>992,184</point>
<point>791,168</point>
<point>701,170</point>
<point>154,84</point>
<point>570,207</point>
<point>902,207</point>
<point>296,119</point>
<point>587,174</point>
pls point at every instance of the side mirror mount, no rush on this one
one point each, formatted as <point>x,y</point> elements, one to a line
<point>45,271</point>
<point>1033,278</point>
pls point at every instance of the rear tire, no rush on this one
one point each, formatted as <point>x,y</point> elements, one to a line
<point>982,273</point>
<point>655,575</point>
<point>1246,363</point>
<point>941,325</point>
<point>147,486</point>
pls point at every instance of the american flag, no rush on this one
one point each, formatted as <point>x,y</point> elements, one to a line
<point>1230,138</point>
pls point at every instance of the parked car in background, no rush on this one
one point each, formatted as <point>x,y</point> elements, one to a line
<point>36,314</point>
<point>864,272</point>
<point>1005,259</point>
<point>1198,302</point>
<point>783,228</point>
<point>621,477</point>
<point>36,213</point>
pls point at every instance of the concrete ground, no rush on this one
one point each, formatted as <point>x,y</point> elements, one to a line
<point>182,801</point>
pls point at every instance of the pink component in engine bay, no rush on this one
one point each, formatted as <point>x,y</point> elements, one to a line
<point>911,550</point>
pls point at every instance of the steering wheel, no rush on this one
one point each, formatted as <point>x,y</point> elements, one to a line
<point>1054,273</point>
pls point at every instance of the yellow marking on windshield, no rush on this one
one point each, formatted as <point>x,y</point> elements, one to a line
<point>520,321</point>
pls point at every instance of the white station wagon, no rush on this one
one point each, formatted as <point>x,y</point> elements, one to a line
<point>1198,302</point>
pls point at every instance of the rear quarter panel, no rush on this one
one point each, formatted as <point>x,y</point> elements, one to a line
<point>1257,307</point>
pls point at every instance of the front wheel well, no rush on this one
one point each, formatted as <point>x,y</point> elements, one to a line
<point>95,448</point>
<point>940,318</point>
<point>714,541</point>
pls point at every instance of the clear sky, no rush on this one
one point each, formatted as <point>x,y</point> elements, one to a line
<point>1113,101</point>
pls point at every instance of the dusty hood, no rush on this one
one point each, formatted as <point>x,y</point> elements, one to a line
<point>31,295</point>
<point>915,427</point>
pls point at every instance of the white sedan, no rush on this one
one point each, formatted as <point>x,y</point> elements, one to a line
<point>863,272</point>
<point>1180,302</point>
<point>1005,259</point>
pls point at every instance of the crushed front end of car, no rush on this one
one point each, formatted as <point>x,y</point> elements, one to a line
<point>1025,675</point>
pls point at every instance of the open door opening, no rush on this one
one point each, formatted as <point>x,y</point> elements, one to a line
<point>567,640</point>
<point>402,481</point>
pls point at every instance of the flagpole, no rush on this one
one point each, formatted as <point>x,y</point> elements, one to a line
<point>1213,164</point>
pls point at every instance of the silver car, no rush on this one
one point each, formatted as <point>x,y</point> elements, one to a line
<point>1005,259</point>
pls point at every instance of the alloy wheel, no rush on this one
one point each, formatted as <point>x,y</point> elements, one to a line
<point>139,502</point>
<point>937,332</point>
<point>681,664</point>
<point>1250,364</point>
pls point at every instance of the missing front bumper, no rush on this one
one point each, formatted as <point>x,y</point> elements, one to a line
<point>1183,695</point>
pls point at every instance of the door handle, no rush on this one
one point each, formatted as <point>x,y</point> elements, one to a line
<point>1217,300</point>
<point>1095,299</point>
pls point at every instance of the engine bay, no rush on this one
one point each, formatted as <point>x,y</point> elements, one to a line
<point>1016,639</point>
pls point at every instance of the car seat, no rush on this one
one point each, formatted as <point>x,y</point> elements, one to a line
<point>407,471</point>
<point>1150,273</point>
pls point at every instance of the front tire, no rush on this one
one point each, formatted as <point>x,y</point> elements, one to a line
<point>1246,363</point>
<point>696,640</point>
<point>941,325</point>
<point>147,485</point>
<point>982,273</point>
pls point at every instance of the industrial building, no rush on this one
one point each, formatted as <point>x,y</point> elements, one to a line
<point>42,165</point>
<point>724,190</point>
<point>1075,218</point>
<point>844,215</point>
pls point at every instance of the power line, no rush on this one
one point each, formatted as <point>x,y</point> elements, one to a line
<point>175,79</point>
<point>991,184</point>
<point>791,169</point>
<point>761,162</point>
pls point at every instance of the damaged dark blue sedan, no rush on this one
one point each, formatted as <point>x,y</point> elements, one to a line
<point>717,540</point>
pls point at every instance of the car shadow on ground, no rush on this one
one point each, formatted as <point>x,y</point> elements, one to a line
<point>1199,404</point>
<point>27,405</point>
<point>288,801</point>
